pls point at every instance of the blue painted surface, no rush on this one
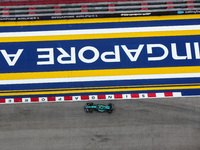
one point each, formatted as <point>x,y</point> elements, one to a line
<point>27,61</point>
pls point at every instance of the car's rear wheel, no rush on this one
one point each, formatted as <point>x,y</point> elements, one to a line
<point>111,107</point>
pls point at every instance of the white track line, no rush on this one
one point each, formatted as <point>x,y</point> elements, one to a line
<point>100,31</point>
<point>100,78</point>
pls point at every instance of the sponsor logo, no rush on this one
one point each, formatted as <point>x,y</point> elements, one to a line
<point>180,12</point>
<point>135,14</point>
<point>155,52</point>
<point>192,12</point>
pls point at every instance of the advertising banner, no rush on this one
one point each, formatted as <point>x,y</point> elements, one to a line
<point>100,56</point>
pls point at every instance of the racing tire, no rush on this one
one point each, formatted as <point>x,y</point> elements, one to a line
<point>90,110</point>
<point>86,110</point>
<point>91,104</point>
<point>111,108</point>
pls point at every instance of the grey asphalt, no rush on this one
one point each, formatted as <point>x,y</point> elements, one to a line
<point>144,124</point>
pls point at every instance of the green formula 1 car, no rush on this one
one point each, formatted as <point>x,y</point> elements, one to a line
<point>99,107</point>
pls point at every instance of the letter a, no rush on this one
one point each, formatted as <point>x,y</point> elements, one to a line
<point>136,51</point>
<point>8,56</point>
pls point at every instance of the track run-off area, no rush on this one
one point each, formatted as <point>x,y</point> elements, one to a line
<point>153,124</point>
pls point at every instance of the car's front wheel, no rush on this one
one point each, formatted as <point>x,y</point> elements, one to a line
<point>90,110</point>
<point>86,110</point>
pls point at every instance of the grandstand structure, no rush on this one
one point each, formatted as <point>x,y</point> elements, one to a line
<point>27,8</point>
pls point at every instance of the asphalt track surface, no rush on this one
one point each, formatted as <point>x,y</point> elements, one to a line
<point>144,124</point>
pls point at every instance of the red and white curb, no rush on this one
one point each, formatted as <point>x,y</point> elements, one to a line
<point>89,97</point>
